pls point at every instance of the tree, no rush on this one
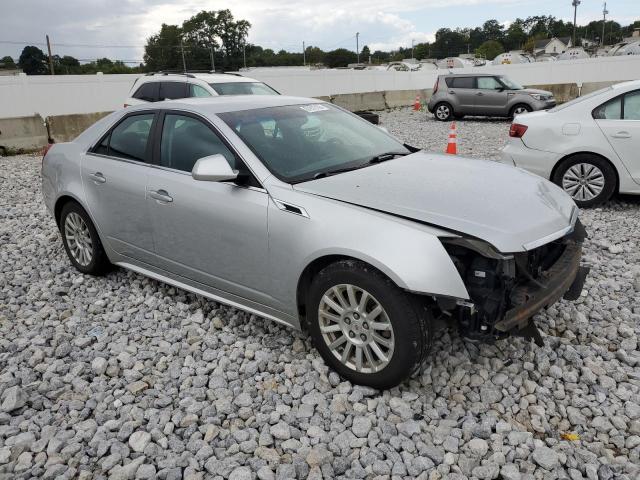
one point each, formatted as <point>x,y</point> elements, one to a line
<point>493,30</point>
<point>515,36</point>
<point>65,65</point>
<point>365,54</point>
<point>162,51</point>
<point>340,57</point>
<point>33,61</point>
<point>7,63</point>
<point>489,49</point>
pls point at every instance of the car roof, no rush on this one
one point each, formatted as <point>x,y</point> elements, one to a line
<point>630,84</point>
<point>207,77</point>
<point>226,103</point>
<point>472,74</point>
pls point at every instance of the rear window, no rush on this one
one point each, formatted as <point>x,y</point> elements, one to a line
<point>173,90</point>
<point>147,92</point>
<point>243,88</point>
<point>460,82</point>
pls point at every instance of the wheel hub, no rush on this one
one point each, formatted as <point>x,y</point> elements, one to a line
<point>583,181</point>
<point>356,328</point>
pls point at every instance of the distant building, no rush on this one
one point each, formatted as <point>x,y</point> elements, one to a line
<point>15,71</point>
<point>551,46</point>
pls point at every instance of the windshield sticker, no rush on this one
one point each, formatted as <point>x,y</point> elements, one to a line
<point>316,107</point>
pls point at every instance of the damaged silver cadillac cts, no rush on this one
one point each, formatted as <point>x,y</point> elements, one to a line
<point>298,211</point>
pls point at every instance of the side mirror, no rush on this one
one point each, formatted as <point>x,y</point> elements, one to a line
<point>213,168</point>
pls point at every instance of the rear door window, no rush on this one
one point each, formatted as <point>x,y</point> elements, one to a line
<point>198,91</point>
<point>611,110</point>
<point>129,139</point>
<point>173,90</point>
<point>148,92</point>
<point>461,82</point>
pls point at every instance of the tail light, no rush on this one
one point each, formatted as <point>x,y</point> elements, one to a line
<point>517,130</point>
<point>126,105</point>
<point>435,87</point>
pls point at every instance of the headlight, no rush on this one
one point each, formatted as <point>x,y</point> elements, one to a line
<point>539,97</point>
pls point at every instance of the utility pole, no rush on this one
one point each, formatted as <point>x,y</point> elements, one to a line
<point>244,54</point>
<point>358,45</point>
<point>50,57</point>
<point>213,61</point>
<point>604,19</point>
<point>184,64</point>
<point>412,44</point>
<point>304,55</point>
<point>575,4</point>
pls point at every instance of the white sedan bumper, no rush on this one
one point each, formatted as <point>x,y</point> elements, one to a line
<point>517,154</point>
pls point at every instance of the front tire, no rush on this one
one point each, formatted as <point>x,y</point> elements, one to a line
<point>366,328</point>
<point>81,241</point>
<point>589,179</point>
<point>519,109</point>
<point>443,111</point>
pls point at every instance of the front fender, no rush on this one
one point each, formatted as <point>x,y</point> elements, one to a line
<point>409,253</point>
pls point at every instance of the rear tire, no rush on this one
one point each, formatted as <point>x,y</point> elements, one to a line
<point>443,111</point>
<point>589,179</point>
<point>374,310</point>
<point>81,241</point>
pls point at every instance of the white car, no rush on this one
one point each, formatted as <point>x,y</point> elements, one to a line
<point>589,146</point>
<point>154,87</point>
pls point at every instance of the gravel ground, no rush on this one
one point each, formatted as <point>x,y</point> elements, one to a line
<point>124,377</point>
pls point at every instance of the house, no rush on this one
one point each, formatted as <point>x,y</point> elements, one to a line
<point>551,46</point>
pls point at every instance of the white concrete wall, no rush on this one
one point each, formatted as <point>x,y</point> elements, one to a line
<point>65,94</point>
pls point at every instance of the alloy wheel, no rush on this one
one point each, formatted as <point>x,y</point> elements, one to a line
<point>442,112</point>
<point>583,181</point>
<point>78,239</point>
<point>519,110</point>
<point>356,328</point>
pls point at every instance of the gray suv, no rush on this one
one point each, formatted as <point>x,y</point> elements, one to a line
<point>455,96</point>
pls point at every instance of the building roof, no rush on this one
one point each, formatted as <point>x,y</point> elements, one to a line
<point>538,44</point>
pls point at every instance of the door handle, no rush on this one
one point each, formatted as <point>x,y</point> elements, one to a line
<point>452,92</point>
<point>97,177</point>
<point>161,196</point>
<point>621,135</point>
<point>479,94</point>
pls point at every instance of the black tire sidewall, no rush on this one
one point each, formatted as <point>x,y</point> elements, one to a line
<point>604,166</point>
<point>446,104</point>
<point>411,341</point>
<point>99,261</point>
<point>512,113</point>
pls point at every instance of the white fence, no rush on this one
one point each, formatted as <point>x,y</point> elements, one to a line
<point>59,95</point>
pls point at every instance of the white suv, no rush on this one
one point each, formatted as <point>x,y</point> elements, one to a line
<point>155,87</point>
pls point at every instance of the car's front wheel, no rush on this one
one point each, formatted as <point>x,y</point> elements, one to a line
<point>81,240</point>
<point>519,109</point>
<point>443,111</point>
<point>366,328</point>
<point>589,179</point>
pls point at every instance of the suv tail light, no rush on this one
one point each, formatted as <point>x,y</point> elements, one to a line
<point>517,130</point>
<point>435,87</point>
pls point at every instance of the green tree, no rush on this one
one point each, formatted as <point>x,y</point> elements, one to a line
<point>7,63</point>
<point>33,61</point>
<point>65,65</point>
<point>340,57</point>
<point>365,54</point>
<point>162,51</point>
<point>493,30</point>
<point>515,36</point>
<point>489,49</point>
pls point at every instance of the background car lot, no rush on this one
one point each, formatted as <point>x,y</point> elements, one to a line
<point>190,386</point>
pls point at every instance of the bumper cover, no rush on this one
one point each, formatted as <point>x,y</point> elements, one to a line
<point>565,278</point>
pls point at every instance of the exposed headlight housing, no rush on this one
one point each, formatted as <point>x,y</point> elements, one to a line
<point>540,97</point>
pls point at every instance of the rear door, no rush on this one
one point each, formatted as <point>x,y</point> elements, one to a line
<point>619,120</point>
<point>114,176</point>
<point>490,96</point>
<point>462,93</point>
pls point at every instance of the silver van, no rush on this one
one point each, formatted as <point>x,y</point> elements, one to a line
<point>457,95</point>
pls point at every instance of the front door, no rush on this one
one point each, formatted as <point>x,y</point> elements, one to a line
<point>619,120</point>
<point>490,97</point>
<point>114,176</point>
<point>214,233</point>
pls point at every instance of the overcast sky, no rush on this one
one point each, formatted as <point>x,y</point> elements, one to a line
<point>329,24</point>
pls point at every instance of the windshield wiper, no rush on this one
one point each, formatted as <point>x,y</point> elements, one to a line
<point>383,157</point>
<point>328,173</point>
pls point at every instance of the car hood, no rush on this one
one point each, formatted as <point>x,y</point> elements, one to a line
<point>511,209</point>
<point>535,90</point>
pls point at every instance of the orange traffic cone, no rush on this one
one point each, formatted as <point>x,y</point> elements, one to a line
<point>452,146</point>
<point>416,105</point>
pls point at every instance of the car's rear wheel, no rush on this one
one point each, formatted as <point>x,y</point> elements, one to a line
<point>81,240</point>
<point>589,179</point>
<point>519,109</point>
<point>443,111</point>
<point>366,328</point>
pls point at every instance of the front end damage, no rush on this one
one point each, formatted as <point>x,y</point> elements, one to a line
<point>506,291</point>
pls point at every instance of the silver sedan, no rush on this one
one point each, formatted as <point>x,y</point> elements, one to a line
<point>303,213</point>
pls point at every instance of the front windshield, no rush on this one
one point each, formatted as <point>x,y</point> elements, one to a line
<point>243,88</point>
<point>301,142</point>
<point>511,85</point>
